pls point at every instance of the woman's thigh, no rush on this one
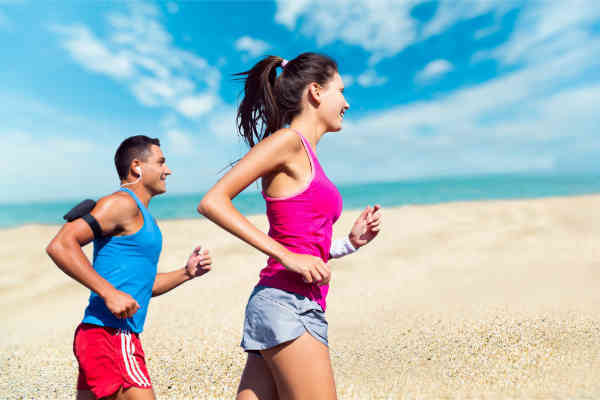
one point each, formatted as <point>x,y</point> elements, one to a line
<point>301,369</point>
<point>257,382</point>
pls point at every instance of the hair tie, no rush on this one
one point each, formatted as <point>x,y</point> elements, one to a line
<point>284,63</point>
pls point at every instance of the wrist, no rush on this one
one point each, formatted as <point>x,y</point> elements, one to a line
<point>281,256</point>
<point>341,247</point>
<point>186,273</point>
<point>106,292</point>
<point>352,240</point>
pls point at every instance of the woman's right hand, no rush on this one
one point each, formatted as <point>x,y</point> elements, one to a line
<point>312,269</point>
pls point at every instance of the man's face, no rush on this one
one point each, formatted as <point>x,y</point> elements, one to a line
<point>155,171</point>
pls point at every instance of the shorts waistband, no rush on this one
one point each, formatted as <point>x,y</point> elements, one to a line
<point>108,329</point>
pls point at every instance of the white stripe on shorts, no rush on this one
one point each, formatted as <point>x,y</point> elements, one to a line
<point>125,351</point>
<point>134,363</point>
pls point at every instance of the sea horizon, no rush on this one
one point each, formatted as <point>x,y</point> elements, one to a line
<point>355,195</point>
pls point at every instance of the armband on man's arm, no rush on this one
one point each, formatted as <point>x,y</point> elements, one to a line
<point>82,210</point>
<point>341,247</point>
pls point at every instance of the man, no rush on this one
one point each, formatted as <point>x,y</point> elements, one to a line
<point>127,245</point>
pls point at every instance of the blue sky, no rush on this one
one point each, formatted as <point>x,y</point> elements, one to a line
<point>436,88</point>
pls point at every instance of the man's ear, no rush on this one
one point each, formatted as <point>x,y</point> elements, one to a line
<point>136,167</point>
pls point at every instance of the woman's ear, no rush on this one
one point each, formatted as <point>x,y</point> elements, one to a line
<point>314,92</point>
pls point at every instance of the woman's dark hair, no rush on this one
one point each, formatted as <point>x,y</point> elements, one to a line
<point>272,101</point>
<point>131,148</point>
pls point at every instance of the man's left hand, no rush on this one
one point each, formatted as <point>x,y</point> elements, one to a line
<point>199,263</point>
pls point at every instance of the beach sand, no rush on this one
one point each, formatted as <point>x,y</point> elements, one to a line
<point>493,300</point>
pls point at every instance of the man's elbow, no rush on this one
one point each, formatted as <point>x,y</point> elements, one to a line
<point>58,247</point>
<point>53,248</point>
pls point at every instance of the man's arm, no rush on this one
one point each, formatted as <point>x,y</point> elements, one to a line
<point>198,264</point>
<point>65,250</point>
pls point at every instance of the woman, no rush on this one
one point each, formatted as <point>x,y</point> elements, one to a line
<point>285,331</point>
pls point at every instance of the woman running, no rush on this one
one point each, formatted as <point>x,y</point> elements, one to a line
<point>285,331</point>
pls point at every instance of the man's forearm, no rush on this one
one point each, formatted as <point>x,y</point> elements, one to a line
<point>72,261</point>
<point>169,280</point>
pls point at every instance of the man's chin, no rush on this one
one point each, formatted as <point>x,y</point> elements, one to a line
<point>158,191</point>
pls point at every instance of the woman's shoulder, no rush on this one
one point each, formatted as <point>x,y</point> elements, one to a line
<point>284,138</point>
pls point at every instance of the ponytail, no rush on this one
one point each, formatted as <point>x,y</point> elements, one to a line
<point>271,101</point>
<point>258,114</point>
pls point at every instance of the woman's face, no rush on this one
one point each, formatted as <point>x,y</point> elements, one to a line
<point>333,104</point>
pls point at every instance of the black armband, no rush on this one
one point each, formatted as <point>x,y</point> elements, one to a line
<point>82,210</point>
<point>93,223</point>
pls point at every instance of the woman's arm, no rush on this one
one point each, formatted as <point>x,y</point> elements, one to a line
<point>269,155</point>
<point>365,228</point>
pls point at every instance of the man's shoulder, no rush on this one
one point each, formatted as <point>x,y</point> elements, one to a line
<point>118,203</point>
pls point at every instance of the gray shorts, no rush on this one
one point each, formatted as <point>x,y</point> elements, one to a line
<point>274,316</point>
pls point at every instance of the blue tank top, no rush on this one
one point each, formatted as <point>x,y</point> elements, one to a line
<point>129,263</point>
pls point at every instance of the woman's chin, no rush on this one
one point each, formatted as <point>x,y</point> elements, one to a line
<point>336,127</point>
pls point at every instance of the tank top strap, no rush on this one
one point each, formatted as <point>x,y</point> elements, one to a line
<point>313,157</point>
<point>138,201</point>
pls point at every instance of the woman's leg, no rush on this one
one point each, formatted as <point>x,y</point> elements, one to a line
<point>301,369</point>
<point>257,381</point>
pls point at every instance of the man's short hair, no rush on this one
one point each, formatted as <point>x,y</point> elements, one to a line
<point>131,148</point>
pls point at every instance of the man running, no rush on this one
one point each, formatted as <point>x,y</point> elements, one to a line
<point>127,246</point>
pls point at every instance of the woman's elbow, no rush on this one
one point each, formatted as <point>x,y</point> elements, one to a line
<point>205,205</point>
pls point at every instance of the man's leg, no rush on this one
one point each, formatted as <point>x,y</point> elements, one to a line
<point>134,393</point>
<point>131,393</point>
<point>85,395</point>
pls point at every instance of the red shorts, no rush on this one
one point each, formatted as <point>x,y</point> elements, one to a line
<point>108,359</point>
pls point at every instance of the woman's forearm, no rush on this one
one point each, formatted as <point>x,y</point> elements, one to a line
<point>220,210</point>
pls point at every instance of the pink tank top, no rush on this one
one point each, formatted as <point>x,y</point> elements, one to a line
<point>303,224</point>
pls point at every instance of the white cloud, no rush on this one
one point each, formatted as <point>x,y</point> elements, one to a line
<point>449,12</point>
<point>288,11</point>
<point>250,46</point>
<point>86,49</point>
<point>433,70</point>
<point>195,106</point>
<point>547,28</point>
<point>382,27</point>
<point>140,53</point>
<point>488,30</point>
<point>370,78</point>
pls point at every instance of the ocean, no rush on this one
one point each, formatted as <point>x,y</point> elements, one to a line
<point>387,194</point>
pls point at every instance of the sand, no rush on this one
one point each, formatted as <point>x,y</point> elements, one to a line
<point>490,300</point>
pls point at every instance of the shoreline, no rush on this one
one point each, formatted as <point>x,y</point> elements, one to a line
<point>350,209</point>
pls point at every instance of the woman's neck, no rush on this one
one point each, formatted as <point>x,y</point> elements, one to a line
<point>309,127</point>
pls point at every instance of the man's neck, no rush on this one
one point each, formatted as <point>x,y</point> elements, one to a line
<point>142,194</point>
